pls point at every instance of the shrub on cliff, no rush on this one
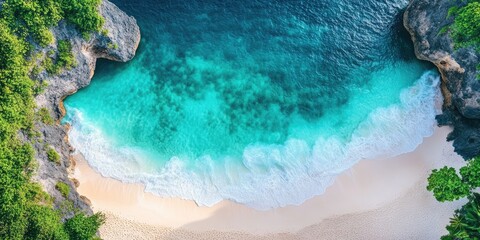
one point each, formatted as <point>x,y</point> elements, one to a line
<point>53,156</point>
<point>83,14</point>
<point>63,188</point>
<point>44,116</point>
<point>84,227</point>
<point>65,58</point>
<point>466,27</point>
<point>465,30</point>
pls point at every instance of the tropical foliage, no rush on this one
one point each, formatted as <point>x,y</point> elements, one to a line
<point>466,26</point>
<point>465,223</point>
<point>83,14</point>
<point>447,185</point>
<point>471,173</point>
<point>465,29</point>
<point>84,227</point>
<point>34,18</point>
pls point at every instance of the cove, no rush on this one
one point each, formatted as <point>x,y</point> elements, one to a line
<point>259,102</point>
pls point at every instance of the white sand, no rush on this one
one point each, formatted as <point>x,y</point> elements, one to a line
<point>376,199</point>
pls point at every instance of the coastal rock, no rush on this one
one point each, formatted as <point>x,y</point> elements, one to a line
<point>425,19</point>
<point>118,42</point>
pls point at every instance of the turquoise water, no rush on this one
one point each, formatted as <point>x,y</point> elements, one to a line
<point>259,102</point>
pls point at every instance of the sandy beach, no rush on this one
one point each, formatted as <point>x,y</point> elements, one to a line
<point>376,199</point>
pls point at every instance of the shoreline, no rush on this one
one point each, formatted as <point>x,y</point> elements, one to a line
<point>389,192</point>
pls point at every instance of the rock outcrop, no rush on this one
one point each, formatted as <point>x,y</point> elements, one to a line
<point>118,43</point>
<point>425,20</point>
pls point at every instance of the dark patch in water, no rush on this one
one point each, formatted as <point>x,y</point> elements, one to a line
<point>266,61</point>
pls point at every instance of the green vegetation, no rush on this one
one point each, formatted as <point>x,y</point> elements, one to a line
<point>50,53</point>
<point>466,26</point>
<point>44,116</point>
<point>53,156</point>
<point>43,224</point>
<point>83,14</point>
<point>34,18</point>
<point>65,57</point>
<point>84,227</point>
<point>50,67</point>
<point>465,30</point>
<point>63,188</point>
<point>63,60</point>
<point>447,185</point>
<point>443,30</point>
<point>471,173</point>
<point>104,32</point>
<point>465,223</point>
<point>112,46</point>
<point>26,211</point>
<point>452,11</point>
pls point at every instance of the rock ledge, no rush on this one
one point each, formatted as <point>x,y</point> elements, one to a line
<point>424,19</point>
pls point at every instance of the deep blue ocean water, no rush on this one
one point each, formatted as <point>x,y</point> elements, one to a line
<point>259,102</point>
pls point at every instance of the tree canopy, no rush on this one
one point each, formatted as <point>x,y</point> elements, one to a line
<point>447,185</point>
<point>465,223</point>
<point>466,26</point>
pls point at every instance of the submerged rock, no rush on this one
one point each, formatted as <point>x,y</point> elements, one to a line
<point>118,42</point>
<point>425,19</point>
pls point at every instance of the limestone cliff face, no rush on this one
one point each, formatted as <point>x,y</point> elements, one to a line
<point>424,19</point>
<point>124,34</point>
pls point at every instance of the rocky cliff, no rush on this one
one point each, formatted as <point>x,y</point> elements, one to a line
<point>118,43</point>
<point>425,19</point>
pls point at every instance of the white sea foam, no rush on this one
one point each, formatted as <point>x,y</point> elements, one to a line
<point>274,175</point>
